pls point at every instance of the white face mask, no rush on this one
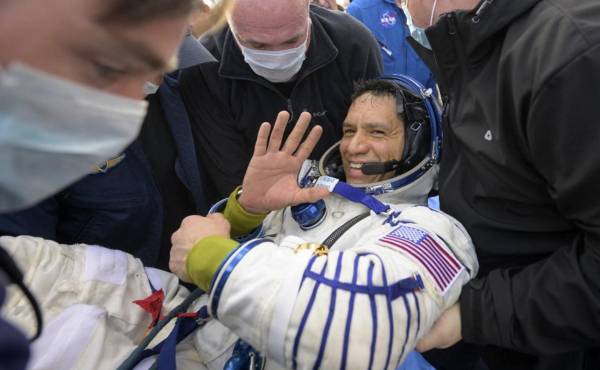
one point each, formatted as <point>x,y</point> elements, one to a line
<point>275,66</point>
<point>53,131</point>
<point>150,88</point>
<point>418,33</point>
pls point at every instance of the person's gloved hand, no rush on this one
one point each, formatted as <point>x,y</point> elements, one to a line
<point>192,230</point>
<point>271,180</point>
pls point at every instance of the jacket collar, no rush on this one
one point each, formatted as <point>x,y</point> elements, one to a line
<point>321,51</point>
<point>476,27</point>
<point>466,37</point>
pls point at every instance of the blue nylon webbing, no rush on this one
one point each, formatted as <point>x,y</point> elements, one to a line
<point>139,353</point>
<point>183,327</point>
<point>359,196</point>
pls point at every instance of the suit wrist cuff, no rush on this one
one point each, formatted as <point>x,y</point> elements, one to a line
<point>205,258</point>
<point>242,222</point>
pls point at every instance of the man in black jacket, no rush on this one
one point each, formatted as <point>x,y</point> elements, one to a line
<point>520,170</point>
<point>275,55</point>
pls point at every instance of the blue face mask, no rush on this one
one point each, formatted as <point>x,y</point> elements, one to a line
<point>418,33</point>
<point>54,131</point>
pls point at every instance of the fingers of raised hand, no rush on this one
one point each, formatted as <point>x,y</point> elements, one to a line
<point>309,144</point>
<point>295,137</point>
<point>278,131</point>
<point>262,139</point>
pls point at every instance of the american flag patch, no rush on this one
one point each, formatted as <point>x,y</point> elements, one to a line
<point>442,265</point>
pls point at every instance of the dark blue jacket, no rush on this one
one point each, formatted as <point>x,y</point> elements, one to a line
<point>14,347</point>
<point>388,24</point>
<point>121,208</point>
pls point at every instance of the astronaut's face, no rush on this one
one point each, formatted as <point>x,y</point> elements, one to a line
<point>372,132</point>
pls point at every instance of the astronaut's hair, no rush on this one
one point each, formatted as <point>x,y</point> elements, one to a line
<point>375,87</point>
<point>381,88</point>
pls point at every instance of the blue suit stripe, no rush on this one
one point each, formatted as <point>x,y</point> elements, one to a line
<point>408,318</point>
<point>349,317</point>
<point>418,314</point>
<point>390,312</point>
<point>373,315</point>
<point>393,291</point>
<point>227,266</point>
<point>390,292</point>
<point>309,306</point>
<point>338,269</point>
<point>390,318</point>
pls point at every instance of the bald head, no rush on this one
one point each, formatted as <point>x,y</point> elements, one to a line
<point>270,24</point>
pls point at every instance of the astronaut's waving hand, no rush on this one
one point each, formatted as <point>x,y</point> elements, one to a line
<point>270,182</point>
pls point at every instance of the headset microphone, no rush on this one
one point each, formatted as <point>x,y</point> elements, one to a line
<point>378,168</point>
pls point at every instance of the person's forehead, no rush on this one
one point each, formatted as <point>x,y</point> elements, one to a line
<point>52,27</point>
<point>271,36</point>
<point>152,41</point>
<point>250,25</point>
<point>281,22</point>
<point>371,106</point>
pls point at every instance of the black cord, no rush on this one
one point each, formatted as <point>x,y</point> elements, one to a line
<point>16,277</point>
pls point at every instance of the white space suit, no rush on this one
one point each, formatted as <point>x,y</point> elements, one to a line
<point>359,306</point>
<point>345,303</point>
<point>363,304</point>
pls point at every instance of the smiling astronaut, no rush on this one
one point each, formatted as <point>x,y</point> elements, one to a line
<point>340,267</point>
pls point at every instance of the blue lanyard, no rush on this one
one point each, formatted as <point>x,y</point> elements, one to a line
<point>353,194</point>
<point>191,324</point>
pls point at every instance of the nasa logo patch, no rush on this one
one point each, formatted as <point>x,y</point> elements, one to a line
<point>388,19</point>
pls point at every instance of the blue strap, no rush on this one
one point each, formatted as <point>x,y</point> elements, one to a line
<point>183,327</point>
<point>186,165</point>
<point>392,291</point>
<point>357,195</point>
<point>141,352</point>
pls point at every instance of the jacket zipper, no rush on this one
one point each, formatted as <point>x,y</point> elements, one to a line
<point>480,10</point>
<point>451,24</point>
<point>445,113</point>
<point>450,21</point>
<point>290,107</point>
